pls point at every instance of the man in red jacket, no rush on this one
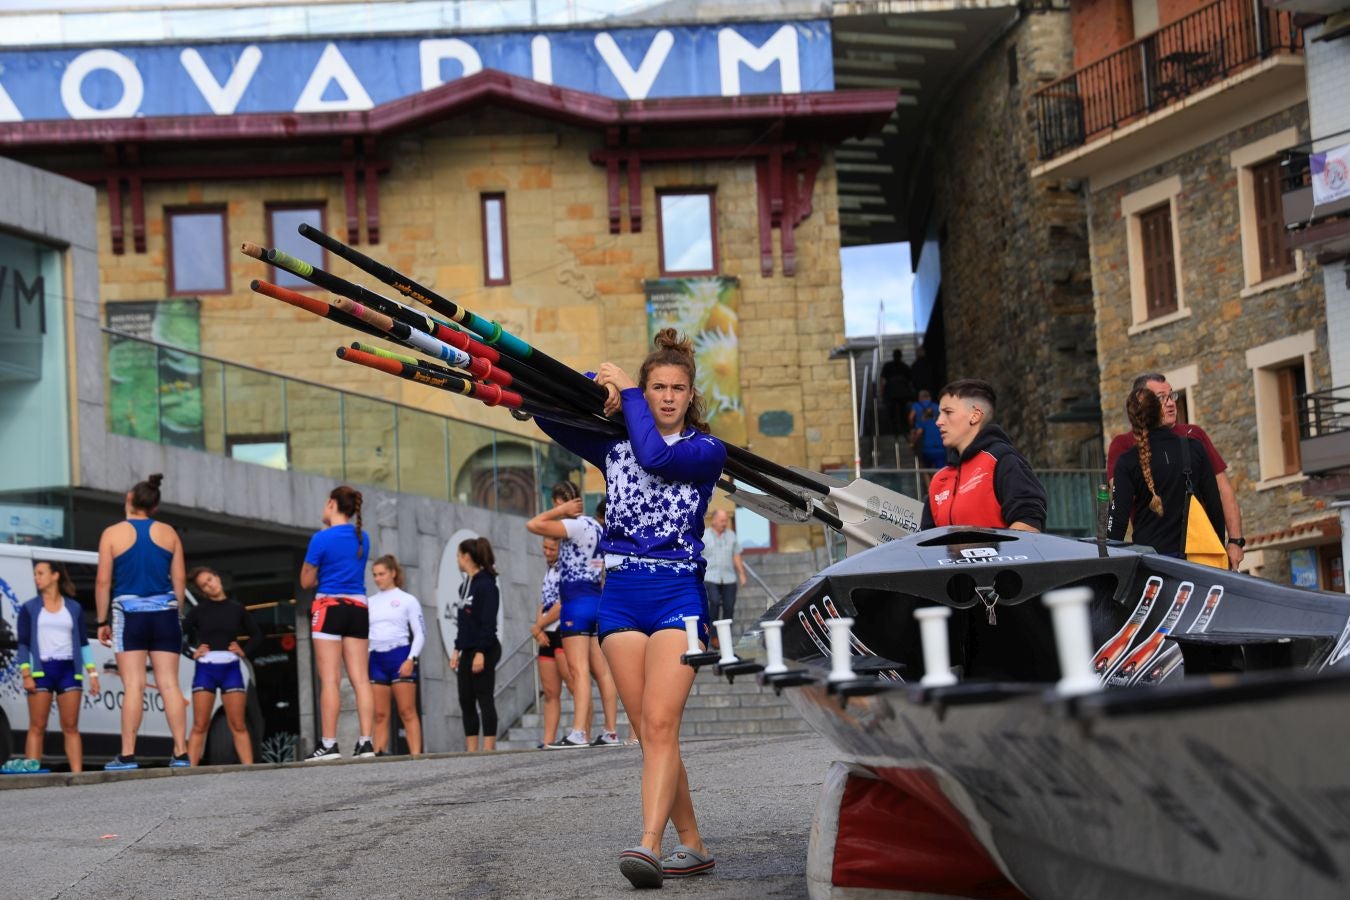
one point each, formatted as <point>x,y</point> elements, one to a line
<point>991,485</point>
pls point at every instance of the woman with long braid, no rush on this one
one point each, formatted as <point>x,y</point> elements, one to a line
<point>1149,484</point>
<point>335,564</point>
<point>658,480</point>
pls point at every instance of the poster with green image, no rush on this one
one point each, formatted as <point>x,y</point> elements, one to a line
<point>706,311</point>
<point>155,393</point>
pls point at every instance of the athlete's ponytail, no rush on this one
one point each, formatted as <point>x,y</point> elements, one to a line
<point>480,551</point>
<point>673,350</point>
<point>348,502</point>
<point>1145,412</point>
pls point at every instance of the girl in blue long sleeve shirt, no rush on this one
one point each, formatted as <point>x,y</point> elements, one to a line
<point>659,478</point>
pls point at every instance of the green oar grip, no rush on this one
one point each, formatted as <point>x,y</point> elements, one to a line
<point>290,263</point>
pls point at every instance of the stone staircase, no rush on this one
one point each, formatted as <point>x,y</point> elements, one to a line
<point>716,708</point>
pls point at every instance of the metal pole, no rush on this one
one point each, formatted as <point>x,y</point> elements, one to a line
<point>853,404</point>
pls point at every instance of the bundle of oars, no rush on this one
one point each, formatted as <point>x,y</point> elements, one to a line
<point>474,356</point>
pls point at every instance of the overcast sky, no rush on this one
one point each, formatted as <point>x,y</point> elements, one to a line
<point>878,273</point>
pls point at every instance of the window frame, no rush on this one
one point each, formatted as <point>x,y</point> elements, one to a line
<point>483,200</point>
<point>1270,227</point>
<point>1245,161</point>
<point>171,271</point>
<point>1266,363</point>
<point>1157,247</point>
<point>709,191</point>
<point>1132,207</point>
<point>292,205</point>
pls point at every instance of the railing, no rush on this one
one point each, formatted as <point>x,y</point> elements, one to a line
<point>1324,430</point>
<point>1301,208</point>
<point>1072,494</point>
<point>1160,69</point>
<point>761,584</point>
<point>158,392</point>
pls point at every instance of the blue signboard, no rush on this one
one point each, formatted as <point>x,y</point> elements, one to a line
<point>354,74</point>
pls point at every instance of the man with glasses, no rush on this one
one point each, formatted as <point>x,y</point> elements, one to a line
<point>1232,515</point>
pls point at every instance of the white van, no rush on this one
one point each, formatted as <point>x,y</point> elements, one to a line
<point>101,716</point>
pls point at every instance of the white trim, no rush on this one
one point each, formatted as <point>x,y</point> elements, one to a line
<point>1280,481</point>
<point>1186,378</point>
<point>1263,360</point>
<point>1132,205</point>
<point>1159,322</point>
<point>1243,159</point>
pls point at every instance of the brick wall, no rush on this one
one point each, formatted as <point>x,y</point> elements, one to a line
<point>1226,319</point>
<point>1100,27</point>
<point>1017,294</point>
<point>576,290</point>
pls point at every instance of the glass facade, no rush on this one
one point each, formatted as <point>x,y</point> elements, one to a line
<point>34,382</point>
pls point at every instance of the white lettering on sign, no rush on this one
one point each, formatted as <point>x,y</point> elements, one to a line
<point>72,81</point>
<point>541,60</point>
<point>332,68</point>
<point>433,53</point>
<point>636,83</point>
<point>734,50</point>
<point>222,98</point>
<point>8,111</point>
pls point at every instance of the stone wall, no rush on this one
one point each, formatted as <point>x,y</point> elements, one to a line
<point>1016,288</point>
<point>1226,319</point>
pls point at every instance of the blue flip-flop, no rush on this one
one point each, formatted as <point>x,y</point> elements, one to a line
<point>684,861</point>
<point>641,867</point>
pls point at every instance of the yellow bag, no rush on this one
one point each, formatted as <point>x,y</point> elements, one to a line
<point>1202,544</point>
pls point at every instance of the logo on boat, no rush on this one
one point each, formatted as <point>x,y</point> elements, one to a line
<point>971,556</point>
<point>892,514</point>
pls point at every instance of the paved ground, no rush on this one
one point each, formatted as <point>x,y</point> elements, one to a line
<point>517,824</point>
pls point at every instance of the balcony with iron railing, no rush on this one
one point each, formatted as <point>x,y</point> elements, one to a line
<point>1324,431</point>
<point>1316,197</point>
<point>1168,70</point>
<point>163,393</point>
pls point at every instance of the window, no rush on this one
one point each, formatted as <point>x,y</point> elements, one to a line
<point>271,450</point>
<point>1157,292</point>
<point>687,224</point>
<point>1291,384</point>
<point>1280,375</point>
<point>1276,256</point>
<point>197,251</point>
<point>1267,260</point>
<point>1160,273</point>
<point>282,221</point>
<point>496,254</point>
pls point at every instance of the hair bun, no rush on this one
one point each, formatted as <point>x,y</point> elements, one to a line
<point>155,480</point>
<point>670,339</point>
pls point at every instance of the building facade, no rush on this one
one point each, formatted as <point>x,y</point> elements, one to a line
<point>1177,117</point>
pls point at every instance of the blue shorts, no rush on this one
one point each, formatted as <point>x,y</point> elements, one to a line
<point>157,632</point>
<point>228,678</point>
<point>384,666</point>
<point>58,676</point>
<point>638,599</point>
<point>580,603</point>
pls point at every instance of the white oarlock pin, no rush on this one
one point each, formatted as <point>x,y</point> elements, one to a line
<point>691,632</point>
<point>937,665</point>
<point>1073,639</point>
<point>841,651</point>
<point>773,647</point>
<point>723,627</point>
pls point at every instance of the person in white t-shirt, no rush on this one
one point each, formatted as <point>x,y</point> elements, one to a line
<point>394,616</point>
<point>553,671</point>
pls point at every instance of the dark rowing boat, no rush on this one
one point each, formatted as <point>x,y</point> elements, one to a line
<point>1209,764</point>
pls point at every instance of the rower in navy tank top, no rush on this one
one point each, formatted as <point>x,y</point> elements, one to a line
<point>138,590</point>
<point>658,480</point>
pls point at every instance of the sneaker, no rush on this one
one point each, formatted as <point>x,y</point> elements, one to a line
<point>21,766</point>
<point>120,762</point>
<point>364,750</point>
<point>180,761</point>
<point>323,754</point>
<point>606,739</point>
<point>575,739</point>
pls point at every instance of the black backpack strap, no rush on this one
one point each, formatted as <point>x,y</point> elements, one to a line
<point>1186,462</point>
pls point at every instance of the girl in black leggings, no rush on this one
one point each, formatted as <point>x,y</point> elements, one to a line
<point>477,649</point>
